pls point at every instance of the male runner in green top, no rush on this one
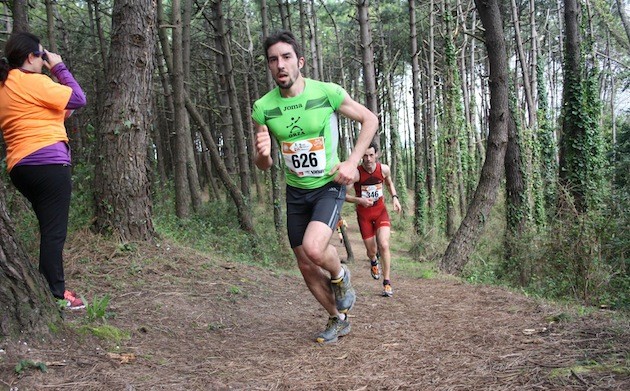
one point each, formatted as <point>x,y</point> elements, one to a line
<point>301,115</point>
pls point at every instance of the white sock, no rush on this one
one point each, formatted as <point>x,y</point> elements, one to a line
<point>343,272</point>
<point>342,316</point>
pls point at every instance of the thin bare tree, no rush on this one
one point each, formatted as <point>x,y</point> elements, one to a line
<point>276,174</point>
<point>430,128</point>
<point>367,54</point>
<point>419,154</point>
<point>224,51</point>
<point>624,19</point>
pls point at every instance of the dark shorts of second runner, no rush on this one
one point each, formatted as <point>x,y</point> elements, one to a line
<point>306,205</point>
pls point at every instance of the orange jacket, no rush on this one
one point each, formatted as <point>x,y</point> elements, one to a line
<point>32,112</point>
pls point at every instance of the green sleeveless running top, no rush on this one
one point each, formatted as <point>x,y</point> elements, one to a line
<point>307,130</point>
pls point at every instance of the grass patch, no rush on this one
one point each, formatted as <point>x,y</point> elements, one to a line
<point>414,269</point>
<point>106,332</point>
<point>590,367</point>
<point>97,310</point>
<point>23,365</point>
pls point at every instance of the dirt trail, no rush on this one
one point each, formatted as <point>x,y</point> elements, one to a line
<point>200,324</point>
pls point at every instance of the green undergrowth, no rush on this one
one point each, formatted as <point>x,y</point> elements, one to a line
<point>577,260</point>
<point>215,230</point>
<point>412,256</point>
<point>483,261</point>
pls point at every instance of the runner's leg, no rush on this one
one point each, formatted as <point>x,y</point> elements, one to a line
<point>317,280</point>
<point>370,247</point>
<point>382,238</point>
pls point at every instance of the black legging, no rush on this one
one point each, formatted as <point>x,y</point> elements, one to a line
<point>48,189</point>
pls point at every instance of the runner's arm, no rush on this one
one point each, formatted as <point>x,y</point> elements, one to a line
<point>390,186</point>
<point>263,158</point>
<point>347,172</point>
<point>359,200</point>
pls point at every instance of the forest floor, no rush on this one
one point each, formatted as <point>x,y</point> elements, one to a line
<point>189,321</point>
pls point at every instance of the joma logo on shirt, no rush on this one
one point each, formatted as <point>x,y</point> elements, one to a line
<point>293,107</point>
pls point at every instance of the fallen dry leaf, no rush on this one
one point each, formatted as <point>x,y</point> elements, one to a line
<point>124,358</point>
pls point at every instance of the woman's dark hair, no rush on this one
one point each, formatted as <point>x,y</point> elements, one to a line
<point>16,50</point>
<point>282,36</point>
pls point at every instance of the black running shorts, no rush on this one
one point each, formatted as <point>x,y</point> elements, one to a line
<point>306,205</point>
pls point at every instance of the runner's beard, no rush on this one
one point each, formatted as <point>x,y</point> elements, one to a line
<point>285,85</point>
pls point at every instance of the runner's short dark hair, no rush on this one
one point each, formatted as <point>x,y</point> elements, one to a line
<point>282,36</point>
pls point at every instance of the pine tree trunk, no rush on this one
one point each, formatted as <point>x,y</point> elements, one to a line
<point>167,110</point>
<point>243,210</point>
<point>191,162</point>
<point>122,198</point>
<point>235,110</point>
<point>516,207</point>
<point>158,141</point>
<point>533,62</point>
<point>226,124</point>
<point>19,9</point>
<point>624,19</point>
<point>26,304</point>
<point>312,40</point>
<point>453,122</point>
<point>479,148</point>
<point>346,243</point>
<point>50,26</point>
<point>429,133</point>
<point>367,51</point>
<point>276,174</point>
<point>570,157</point>
<point>419,159</point>
<point>303,25</point>
<point>251,91</point>
<point>464,241</point>
<point>525,67</point>
<point>183,197</point>
<point>213,188</point>
<point>514,181</point>
<point>100,34</point>
<point>284,14</point>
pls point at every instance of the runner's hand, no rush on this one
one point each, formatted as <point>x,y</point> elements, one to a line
<point>397,207</point>
<point>263,143</point>
<point>347,173</point>
<point>366,202</point>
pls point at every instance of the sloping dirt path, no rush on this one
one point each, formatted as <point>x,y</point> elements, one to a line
<point>203,324</point>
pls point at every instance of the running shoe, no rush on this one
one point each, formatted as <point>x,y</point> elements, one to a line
<point>345,295</point>
<point>334,328</point>
<point>387,290</point>
<point>72,301</point>
<point>375,269</point>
